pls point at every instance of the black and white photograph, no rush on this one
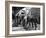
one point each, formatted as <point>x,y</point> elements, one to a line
<point>25,18</point>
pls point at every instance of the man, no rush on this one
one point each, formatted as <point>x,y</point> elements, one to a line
<point>35,23</point>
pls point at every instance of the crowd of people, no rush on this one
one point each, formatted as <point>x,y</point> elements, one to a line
<point>26,23</point>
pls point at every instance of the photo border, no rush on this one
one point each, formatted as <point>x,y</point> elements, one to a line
<point>7,3</point>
